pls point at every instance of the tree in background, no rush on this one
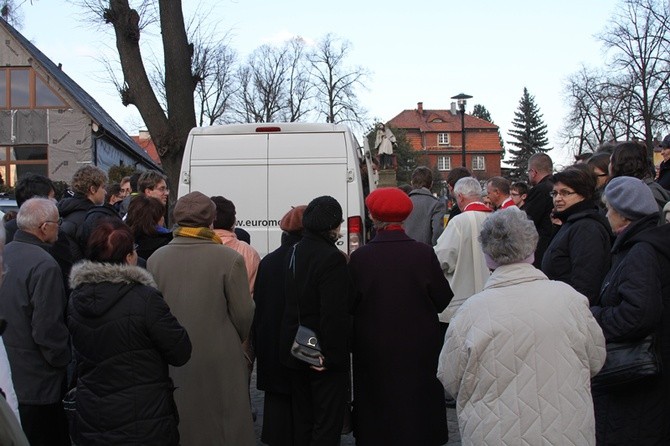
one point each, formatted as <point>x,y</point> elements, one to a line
<point>334,84</point>
<point>116,173</point>
<point>481,112</point>
<point>530,134</point>
<point>629,99</point>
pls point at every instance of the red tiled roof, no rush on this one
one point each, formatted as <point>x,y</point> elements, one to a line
<point>146,143</point>
<point>411,119</point>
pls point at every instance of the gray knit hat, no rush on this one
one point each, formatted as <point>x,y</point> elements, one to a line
<point>630,197</point>
<point>322,214</point>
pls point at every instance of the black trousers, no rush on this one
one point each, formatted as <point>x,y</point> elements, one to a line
<point>44,425</point>
<point>277,420</point>
<point>318,400</point>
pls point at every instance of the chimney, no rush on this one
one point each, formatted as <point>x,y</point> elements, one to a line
<point>454,111</point>
<point>419,107</point>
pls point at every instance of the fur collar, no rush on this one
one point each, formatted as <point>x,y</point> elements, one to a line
<point>93,272</point>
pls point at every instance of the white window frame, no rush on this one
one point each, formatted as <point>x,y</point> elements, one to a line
<point>443,139</point>
<point>443,163</point>
<point>478,162</point>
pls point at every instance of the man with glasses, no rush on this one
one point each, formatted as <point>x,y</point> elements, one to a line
<point>539,203</point>
<point>37,340</point>
<point>154,184</point>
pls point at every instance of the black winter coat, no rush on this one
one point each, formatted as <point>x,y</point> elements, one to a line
<point>95,213</point>
<point>322,290</point>
<point>538,206</point>
<point>579,253</point>
<point>635,301</point>
<point>124,337</point>
<point>269,296</point>
<point>73,211</point>
<point>399,291</point>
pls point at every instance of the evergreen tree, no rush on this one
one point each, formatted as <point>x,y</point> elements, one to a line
<point>530,133</point>
<point>481,112</point>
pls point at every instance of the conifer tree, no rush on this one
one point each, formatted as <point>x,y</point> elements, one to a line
<point>481,112</point>
<point>530,134</point>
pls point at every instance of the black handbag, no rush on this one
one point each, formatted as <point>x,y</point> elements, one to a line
<point>628,362</point>
<point>305,346</point>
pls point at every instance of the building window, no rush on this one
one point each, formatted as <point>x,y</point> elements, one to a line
<point>443,163</point>
<point>478,162</point>
<point>24,88</point>
<point>19,160</point>
<point>443,139</point>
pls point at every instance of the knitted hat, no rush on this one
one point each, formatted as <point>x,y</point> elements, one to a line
<point>194,210</point>
<point>389,205</point>
<point>630,197</point>
<point>322,214</point>
<point>292,221</point>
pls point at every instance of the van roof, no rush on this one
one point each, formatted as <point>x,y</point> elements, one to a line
<point>284,127</point>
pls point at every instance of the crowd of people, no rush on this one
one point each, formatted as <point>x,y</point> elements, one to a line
<point>124,322</point>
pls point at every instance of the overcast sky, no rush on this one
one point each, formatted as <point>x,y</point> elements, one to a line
<point>425,51</point>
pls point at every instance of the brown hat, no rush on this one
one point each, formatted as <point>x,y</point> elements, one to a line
<point>292,221</point>
<point>194,210</point>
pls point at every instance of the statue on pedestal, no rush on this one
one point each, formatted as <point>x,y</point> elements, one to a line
<point>384,143</point>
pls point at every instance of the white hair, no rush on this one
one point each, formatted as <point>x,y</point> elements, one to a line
<point>34,212</point>
<point>508,236</point>
<point>468,187</point>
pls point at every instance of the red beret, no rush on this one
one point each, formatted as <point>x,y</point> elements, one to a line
<point>389,205</point>
<point>292,221</point>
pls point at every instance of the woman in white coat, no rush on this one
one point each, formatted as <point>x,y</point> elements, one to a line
<point>519,356</point>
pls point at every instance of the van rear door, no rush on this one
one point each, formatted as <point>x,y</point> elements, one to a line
<point>302,166</point>
<point>235,166</point>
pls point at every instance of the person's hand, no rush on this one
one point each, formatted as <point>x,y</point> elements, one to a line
<point>318,368</point>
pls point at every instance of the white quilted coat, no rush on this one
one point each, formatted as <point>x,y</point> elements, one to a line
<point>519,357</point>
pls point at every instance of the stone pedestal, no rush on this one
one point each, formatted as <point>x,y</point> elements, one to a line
<point>387,178</point>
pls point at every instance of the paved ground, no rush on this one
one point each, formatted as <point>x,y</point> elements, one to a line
<point>347,440</point>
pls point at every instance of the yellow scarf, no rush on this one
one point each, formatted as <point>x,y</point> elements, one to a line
<point>201,233</point>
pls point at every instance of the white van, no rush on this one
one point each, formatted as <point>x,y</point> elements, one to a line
<point>267,168</point>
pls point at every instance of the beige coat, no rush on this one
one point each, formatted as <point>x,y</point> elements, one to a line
<point>205,284</point>
<point>519,358</point>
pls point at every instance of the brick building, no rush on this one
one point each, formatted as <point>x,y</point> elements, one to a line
<point>436,134</point>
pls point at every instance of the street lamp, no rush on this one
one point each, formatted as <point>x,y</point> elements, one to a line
<point>462,100</point>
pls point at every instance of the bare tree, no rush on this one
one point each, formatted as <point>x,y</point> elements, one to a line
<point>214,68</point>
<point>168,110</point>
<point>639,44</point>
<point>298,88</point>
<point>335,84</point>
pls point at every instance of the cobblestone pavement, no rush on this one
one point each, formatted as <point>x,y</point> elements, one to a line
<point>347,440</point>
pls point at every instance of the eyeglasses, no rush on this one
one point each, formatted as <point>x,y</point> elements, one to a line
<point>561,193</point>
<point>514,194</point>
<point>162,189</point>
<point>602,175</point>
<point>58,222</point>
<point>135,247</point>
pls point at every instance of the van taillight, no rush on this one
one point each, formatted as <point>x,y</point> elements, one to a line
<point>267,129</point>
<point>355,230</point>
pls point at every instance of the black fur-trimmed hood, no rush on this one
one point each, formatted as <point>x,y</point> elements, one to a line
<point>97,287</point>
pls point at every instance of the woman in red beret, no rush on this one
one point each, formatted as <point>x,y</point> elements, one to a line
<point>399,291</point>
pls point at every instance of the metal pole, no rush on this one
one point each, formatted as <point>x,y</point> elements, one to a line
<point>463,133</point>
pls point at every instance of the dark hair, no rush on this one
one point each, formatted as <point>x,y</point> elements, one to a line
<point>630,159</point>
<point>32,185</point>
<point>600,161</point>
<point>133,181</point>
<point>422,177</point>
<point>149,180</point>
<point>225,213</point>
<point>520,187</point>
<point>112,189</point>
<point>456,174</point>
<point>111,241</point>
<point>144,213</point>
<point>405,188</point>
<point>500,183</point>
<point>581,179</point>
<point>584,157</point>
<point>541,162</point>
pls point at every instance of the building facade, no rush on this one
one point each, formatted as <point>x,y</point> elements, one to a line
<point>48,124</point>
<point>436,135</point>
